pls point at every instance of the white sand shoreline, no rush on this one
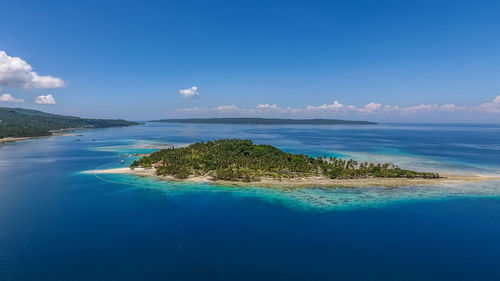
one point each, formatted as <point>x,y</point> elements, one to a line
<point>10,139</point>
<point>309,181</point>
<point>54,133</point>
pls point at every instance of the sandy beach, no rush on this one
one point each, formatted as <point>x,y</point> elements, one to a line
<point>6,140</point>
<point>310,181</point>
<point>61,132</point>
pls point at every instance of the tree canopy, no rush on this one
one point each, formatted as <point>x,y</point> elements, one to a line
<point>20,122</point>
<point>242,160</point>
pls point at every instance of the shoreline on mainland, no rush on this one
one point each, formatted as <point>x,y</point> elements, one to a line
<point>12,139</point>
<point>53,133</point>
<point>303,182</point>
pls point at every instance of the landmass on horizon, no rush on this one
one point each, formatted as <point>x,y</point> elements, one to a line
<point>265,121</point>
<point>20,123</point>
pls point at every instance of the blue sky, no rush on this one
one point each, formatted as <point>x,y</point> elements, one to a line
<point>413,60</point>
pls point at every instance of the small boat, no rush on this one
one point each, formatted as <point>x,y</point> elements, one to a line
<point>122,161</point>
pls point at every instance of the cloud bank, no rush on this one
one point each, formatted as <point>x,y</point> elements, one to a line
<point>9,98</point>
<point>47,99</point>
<point>337,109</point>
<point>17,73</point>
<point>189,93</point>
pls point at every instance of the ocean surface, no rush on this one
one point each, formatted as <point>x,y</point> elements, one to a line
<point>59,223</point>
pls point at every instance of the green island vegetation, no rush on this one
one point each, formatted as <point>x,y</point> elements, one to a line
<point>20,122</point>
<point>242,160</point>
<point>265,121</point>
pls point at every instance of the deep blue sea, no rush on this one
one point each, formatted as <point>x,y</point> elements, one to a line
<point>59,223</point>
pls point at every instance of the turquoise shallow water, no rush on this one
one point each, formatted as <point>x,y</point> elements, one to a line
<point>373,144</point>
<point>57,223</point>
<point>319,199</point>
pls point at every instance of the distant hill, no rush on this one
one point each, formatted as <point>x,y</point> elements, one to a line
<point>20,122</point>
<point>266,121</point>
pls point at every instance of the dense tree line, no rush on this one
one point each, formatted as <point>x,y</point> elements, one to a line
<point>19,122</point>
<point>235,159</point>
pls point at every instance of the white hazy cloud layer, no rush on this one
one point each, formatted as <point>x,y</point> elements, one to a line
<point>17,73</point>
<point>189,93</point>
<point>47,99</point>
<point>9,98</point>
<point>337,109</point>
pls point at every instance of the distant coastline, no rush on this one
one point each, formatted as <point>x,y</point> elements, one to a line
<point>265,121</point>
<point>21,124</point>
<point>10,139</point>
<point>53,133</point>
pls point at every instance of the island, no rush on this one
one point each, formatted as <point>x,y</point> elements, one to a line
<point>20,123</point>
<point>242,160</point>
<point>239,162</point>
<point>265,121</point>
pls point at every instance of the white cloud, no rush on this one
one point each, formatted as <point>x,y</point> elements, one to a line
<point>497,100</point>
<point>449,107</point>
<point>371,108</point>
<point>269,106</point>
<point>334,106</point>
<point>227,107</point>
<point>48,99</point>
<point>9,98</point>
<point>189,93</point>
<point>418,109</point>
<point>337,109</point>
<point>17,73</point>
<point>490,107</point>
